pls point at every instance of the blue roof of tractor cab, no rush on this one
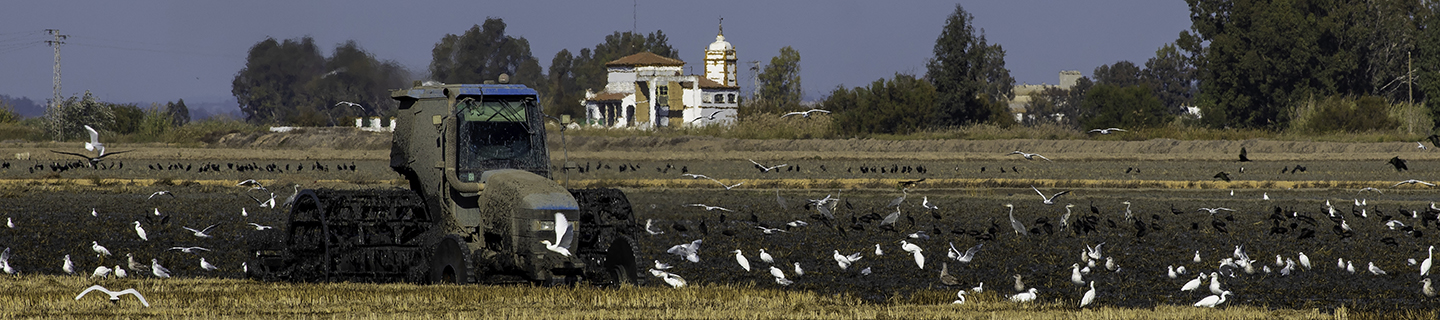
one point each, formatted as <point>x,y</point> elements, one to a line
<point>470,90</point>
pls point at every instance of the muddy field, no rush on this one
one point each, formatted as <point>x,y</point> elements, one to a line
<point>51,209</point>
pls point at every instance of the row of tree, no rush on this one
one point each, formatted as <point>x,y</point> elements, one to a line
<point>66,120</point>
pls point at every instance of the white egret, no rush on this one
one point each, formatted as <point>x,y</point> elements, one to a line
<point>777,273</point>
<point>1425,265</point>
<point>798,270</point>
<point>114,295</point>
<point>1025,296</point>
<point>203,233</point>
<point>157,270</point>
<point>961,296</point>
<point>206,265</point>
<point>101,272</point>
<point>690,251</point>
<point>1194,283</point>
<point>69,266</point>
<point>914,250</point>
<point>1089,296</point>
<point>674,280</point>
<point>879,252</point>
<point>1049,199</point>
<point>765,256</point>
<point>740,258</point>
<point>99,250</point>
<point>563,236</point>
<point>1304,261</point>
<point>1211,301</point>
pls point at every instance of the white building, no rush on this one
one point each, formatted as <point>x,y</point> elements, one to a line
<point>646,91</point>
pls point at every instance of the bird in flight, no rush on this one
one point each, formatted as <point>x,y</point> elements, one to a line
<point>1398,163</point>
<point>1030,156</point>
<point>764,168</point>
<point>254,185</point>
<point>708,207</point>
<point>563,236</point>
<point>202,232</point>
<point>114,295</point>
<point>1413,181</point>
<point>805,113</point>
<point>1106,131</point>
<point>1214,210</point>
<point>1050,199</point>
<point>161,193</point>
<point>351,104</point>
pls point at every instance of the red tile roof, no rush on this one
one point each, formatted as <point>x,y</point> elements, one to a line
<point>644,59</point>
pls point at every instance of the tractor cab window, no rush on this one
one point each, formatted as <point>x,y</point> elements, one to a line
<point>493,134</point>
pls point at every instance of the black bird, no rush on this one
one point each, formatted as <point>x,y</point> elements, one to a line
<point>1243,158</point>
<point>1219,226</point>
<point>1223,176</point>
<point>910,183</point>
<point>93,160</point>
<point>704,228</point>
<point>679,227</point>
<point>1298,168</point>
<point>1140,229</point>
<point>1398,163</point>
<point>1285,169</point>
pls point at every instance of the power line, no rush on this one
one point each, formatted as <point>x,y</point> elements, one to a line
<point>59,41</point>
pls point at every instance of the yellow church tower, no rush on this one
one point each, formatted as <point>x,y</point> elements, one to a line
<point>720,60</point>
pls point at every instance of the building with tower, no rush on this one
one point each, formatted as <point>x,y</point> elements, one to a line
<point>648,91</point>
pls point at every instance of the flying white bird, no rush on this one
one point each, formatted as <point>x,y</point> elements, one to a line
<point>1089,296</point>
<point>674,280</point>
<point>261,227</point>
<point>252,184</point>
<point>708,207</point>
<point>1413,181</point>
<point>161,193</point>
<point>1049,199</point>
<point>158,270</point>
<point>563,236</point>
<point>649,229</point>
<point>1105,131</point>
<point>94,144</point>
<point>99,250</point>
<point>203,233</point>
<point>740,258</point>
<point>805,113</point>
<point>114,295</point>
<point>267,203</point>
<point>763,168</point>
<point>1419,145</point>
<point>969,254</point>
<point>350,104</point>
<point>1025,296</point>
<point>690,251</point>
<point>661,265</point>
<point>1030,156</point>
<point>1211,301</point>
<point>189,249</point>
<point>765,256</point>
<point>206,265</point>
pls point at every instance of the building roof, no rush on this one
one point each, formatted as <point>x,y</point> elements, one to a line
<point>644,59</point>
<point>720,44</point>
<point>609,96</point>
<point>706,83</point>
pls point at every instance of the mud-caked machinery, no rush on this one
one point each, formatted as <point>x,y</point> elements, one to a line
<point>481,200</point>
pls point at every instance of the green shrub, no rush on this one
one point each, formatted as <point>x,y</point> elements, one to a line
<point>1345,114</point>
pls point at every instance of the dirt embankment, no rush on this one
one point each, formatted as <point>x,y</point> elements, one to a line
<point>693,148</point>
<point>347,143</point>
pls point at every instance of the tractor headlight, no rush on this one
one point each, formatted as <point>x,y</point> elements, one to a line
<point>543,225</point>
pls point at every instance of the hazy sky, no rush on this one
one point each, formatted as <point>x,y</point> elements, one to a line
<point>157,51</point>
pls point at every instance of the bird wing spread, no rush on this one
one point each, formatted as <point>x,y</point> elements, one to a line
<point>137,295</point>
<point>91,288</point>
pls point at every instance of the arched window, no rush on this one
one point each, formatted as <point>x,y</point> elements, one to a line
<point>719,98</point>
<point>732,98</point>
<point>629,115</point>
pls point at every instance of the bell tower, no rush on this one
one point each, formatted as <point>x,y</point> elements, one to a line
<point>720,63</point>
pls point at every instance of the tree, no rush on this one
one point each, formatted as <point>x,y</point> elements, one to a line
<point>272,84</point>
<point>780,83</point>
<point>178,112</point>
<point>896,106</point>
<point>1053,106</point>
<point>567,81</point>
<point>127,118</point>
<point>354,75</point>
<point>1172,78</point>
<point>68,119</point>
<point>968,74</point>
<point>483,53</point>
<point>1120,74</point>
<point>1108,105</point>
<point>565,94</point>
<point>1427,60</point>
<point>1257,58</point>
